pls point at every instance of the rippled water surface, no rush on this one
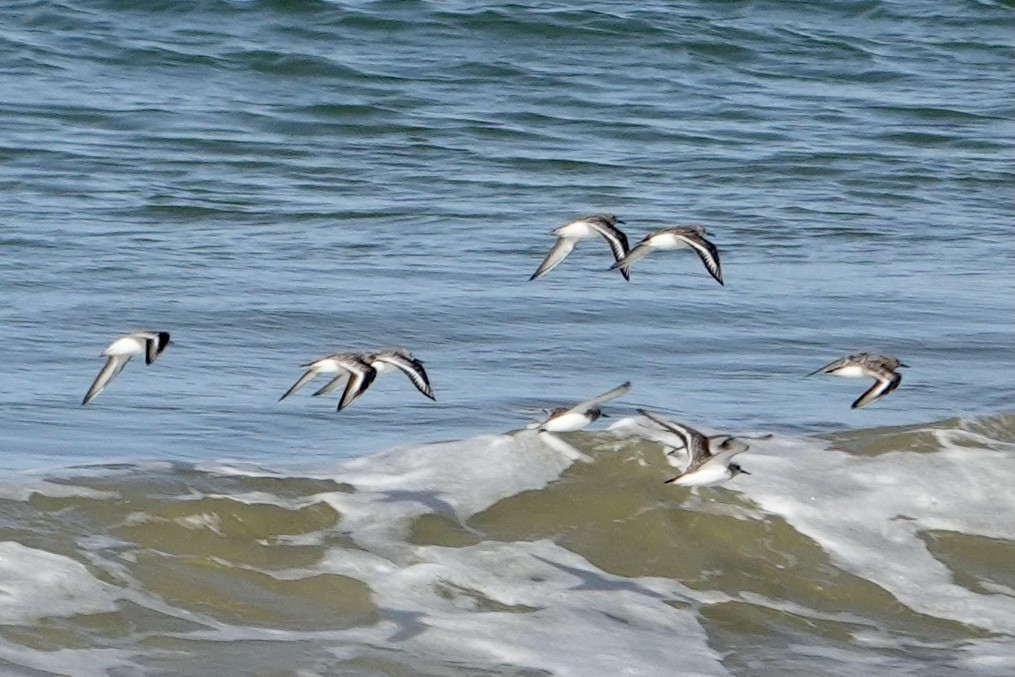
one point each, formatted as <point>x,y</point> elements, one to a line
<point>271,181</point>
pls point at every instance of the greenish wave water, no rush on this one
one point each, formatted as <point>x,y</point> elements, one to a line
<point>525,554</point>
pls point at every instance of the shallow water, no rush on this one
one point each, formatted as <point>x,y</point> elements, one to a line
<point>271,181</point>
<point>885,552</point>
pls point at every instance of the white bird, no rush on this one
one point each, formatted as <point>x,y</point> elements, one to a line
<point>357,371</point>
<point>677,238</point>
<point>585,228</point>
<point>711,458</point>
<point>579,416</point>
<point>350,367</point>
<point>118,354</point>
<point>867,365</point>
<point>675,445</point>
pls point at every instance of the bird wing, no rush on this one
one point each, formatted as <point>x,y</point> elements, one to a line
<point>832,366</point>
<point>360,378</point>
<point>617,241</point>
<point>706,251</point>
<point>605,397</point>
<point>727,443</point>
<point>696,443</point>
<point>155,343</point>
<point>561,248</point>
<point>412,368</point>
<point>725,457</point>
<point>640,250</point>
<point>882,386</point>
<point>307,377</point>
<point>333,384</point>
<point>114,365</point>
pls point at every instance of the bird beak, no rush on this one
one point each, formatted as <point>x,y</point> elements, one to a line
<point>744,472</point>
<point>904,365</point>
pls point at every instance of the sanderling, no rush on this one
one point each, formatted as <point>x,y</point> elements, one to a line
<point>149,343</point>
<point>710,457</point>
<point>675,445</point>
<point>350,367</point>
<point>357,370</point>
<point>867,365</point>
<point>587,227</point>
<point>577,417</point>
<point>677,238</point>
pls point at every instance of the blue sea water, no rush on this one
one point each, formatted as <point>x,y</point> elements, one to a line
<point>274,180</point>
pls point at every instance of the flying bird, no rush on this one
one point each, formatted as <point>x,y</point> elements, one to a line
<point>118,354</point>
<point>882,368</point>
<point>350,368</point>
<point>357,371</point>
<point>586,228</point>
<point>711,458</point>
<point>677,238</point>
<point>578,416</point>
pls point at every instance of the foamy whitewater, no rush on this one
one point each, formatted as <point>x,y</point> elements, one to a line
<point>882,552</point>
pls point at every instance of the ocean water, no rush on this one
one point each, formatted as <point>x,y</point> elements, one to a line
<point>271,181</point>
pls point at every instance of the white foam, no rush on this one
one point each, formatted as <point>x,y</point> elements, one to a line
<point>76,662</point>
<point>21,487</point>
<point>560,614</point>
<point>867,513</point>
<point>463,477</point>
<point>531,605</point>
<point>37,584</point>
